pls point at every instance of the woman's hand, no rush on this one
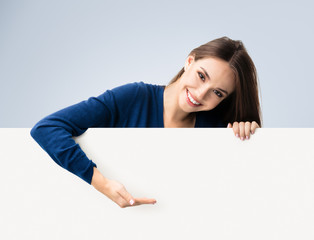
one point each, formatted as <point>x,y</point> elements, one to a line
<point>116,191</point>
<point>243,129</point>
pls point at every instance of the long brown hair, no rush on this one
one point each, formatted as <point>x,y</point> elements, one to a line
<point>243,104</point>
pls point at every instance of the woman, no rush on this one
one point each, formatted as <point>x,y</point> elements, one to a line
<point>217,87</point>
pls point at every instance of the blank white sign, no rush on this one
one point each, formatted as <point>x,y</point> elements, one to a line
<point>208,185</point>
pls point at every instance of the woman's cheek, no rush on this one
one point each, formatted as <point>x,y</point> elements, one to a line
<point>211,104</point>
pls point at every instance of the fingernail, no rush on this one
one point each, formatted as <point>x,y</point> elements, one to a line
<point>131,201</point>
<point>247,137</point>
<point>237,135</point>
<point>242,138</point>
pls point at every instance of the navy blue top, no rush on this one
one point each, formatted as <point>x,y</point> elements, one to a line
<point>131,105</point>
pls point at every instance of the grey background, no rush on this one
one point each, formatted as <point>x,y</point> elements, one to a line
<point>56,53</point>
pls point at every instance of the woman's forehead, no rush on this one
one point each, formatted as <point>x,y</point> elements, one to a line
<point>216,67</point>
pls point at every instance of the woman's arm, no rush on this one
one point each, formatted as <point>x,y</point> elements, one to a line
<point>54,134</point>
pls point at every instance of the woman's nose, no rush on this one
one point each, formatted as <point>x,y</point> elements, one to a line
<point>202,91</point>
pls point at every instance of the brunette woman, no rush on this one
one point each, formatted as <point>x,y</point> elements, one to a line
<point>216,87</point>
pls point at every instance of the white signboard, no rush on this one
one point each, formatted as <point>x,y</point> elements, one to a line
<point>208,185</point>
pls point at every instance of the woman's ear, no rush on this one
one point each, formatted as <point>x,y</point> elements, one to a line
<point>188,62</point>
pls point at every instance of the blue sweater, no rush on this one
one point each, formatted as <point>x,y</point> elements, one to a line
<point>130,105</point>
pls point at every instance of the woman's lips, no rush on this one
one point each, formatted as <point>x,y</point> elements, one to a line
<point>191,101</point>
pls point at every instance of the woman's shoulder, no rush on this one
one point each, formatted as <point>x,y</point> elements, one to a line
<point>139,89</point>
<point>125,95</point>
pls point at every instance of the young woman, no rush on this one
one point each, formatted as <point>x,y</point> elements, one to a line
<point>217,87</point>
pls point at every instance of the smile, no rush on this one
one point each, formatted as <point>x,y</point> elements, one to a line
<point>191,100</point>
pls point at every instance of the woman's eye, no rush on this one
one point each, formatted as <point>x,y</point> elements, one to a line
<point>201,76</point>
<point>218,93</point>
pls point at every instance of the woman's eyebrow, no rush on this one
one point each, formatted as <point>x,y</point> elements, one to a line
<point>205,72</point>
<point>224,91</point>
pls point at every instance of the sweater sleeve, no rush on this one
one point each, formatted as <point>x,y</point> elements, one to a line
<point>54,132</point>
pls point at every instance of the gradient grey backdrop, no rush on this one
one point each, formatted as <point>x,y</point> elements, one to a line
<point>56,53</point>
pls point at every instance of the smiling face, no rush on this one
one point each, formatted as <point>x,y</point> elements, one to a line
<point>204,84</point>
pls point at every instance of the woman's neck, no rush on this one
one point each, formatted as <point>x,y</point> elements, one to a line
<point>173,114</point>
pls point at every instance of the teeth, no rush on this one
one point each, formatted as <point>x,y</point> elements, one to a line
<point>192,100</point>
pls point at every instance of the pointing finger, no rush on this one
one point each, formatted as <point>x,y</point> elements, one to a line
<point>139,201</point>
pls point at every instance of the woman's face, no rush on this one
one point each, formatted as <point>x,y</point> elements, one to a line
<point>204,84</point>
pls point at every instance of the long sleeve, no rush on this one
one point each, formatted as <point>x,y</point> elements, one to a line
<point>129,105</point>
<point>54,133</point>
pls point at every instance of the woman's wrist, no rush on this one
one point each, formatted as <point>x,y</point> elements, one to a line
<point>98,180</point>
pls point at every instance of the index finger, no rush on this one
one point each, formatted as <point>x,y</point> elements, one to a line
<point>139,201</point>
